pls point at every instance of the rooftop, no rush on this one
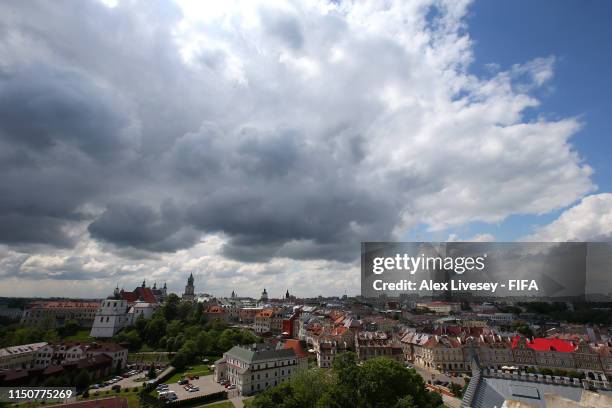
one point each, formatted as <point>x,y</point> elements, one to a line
<point>259,352</point>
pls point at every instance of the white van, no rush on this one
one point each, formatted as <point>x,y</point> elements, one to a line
<point>167,395</point>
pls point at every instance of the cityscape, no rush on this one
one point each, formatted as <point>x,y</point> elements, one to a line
<point>305,204</point>
<point>145,346</point>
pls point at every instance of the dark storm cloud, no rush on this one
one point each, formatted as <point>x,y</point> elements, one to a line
<point>142,227</point>
<point>42,108</point>
<point>261,221</point>
<point>58,129</point>
<point>21,229</point>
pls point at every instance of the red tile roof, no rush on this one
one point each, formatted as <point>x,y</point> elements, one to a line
<point>265,313</point>
<point>296,346</point>
<point>61,304</point>
<point>215,309</point>
<point>541,344</point>
<point>140,293</point>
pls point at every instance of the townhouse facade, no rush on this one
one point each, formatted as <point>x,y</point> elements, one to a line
<point>452,353</point>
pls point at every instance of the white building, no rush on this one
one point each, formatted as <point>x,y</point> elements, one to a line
<point>121,310</point>
<point>17,357</point>
<point>143,309</point>
<point>254,368</point>
<point>110,318</point>
<point>500,318</point>
<point>440,307</point>
<point>56,354</point>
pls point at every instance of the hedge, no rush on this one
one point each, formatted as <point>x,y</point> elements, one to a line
<point>202,399</point>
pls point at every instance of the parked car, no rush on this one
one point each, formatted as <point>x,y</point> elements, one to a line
<point>183,381</point>
<point>194,389</point>
<point>231,387</point>
<point>168,396</point>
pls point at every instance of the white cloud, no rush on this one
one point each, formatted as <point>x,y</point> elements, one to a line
<point>589,220</point>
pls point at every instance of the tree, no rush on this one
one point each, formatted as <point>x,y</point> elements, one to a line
<point>151,374</point>
<point>180,360</point>
<point>382,382</point>
<point>378,383</point>
<point>406,402</point>
<point>346,370</point>
<point>170,308</point>
<point>307,388</point>
<point>140,325</point>
<point>204,343</point>
<point>216,325</point>
<point>52,382</point>
<point>155,330</point>
<point>82,380</point>
<point>69,329</point>
<point>174,328</point>
<point>131,337</point>
<point>302,391</point>
<point>456,389</point>
<point>184,310</point>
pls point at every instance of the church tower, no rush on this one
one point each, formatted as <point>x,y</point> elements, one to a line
<point>189,294</point>
<point>264,296</point>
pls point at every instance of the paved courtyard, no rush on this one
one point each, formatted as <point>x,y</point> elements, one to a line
<point>206,384</point>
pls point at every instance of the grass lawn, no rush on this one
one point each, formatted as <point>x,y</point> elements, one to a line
<point>247,402</point>
<point>132,397</point>
<point>223,404</point>
<point>81,335</point>
<point>200,369</point>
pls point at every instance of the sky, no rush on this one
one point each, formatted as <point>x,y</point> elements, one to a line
<point>257,144</point>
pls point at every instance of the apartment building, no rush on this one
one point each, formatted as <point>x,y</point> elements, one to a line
<point>68,352</point>
<point>18,357</point>
<point>51,314</point>
<point>370,345</point>
<point>269,321</point>
<point>328,349</point>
